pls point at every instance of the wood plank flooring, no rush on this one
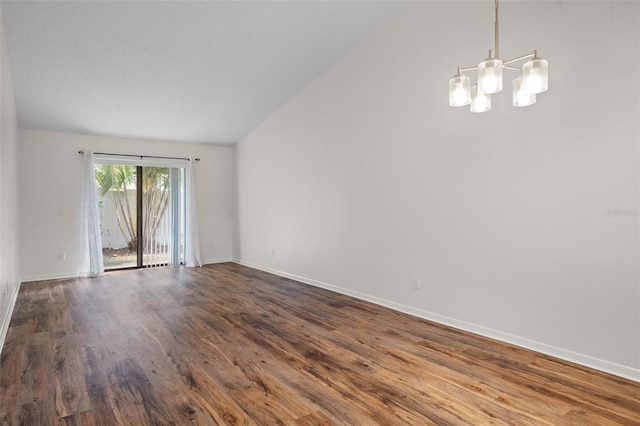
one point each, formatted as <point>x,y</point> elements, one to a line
<point>226,344</point>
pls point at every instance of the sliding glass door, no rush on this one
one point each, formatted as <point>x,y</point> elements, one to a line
<point>162,216</point>
<point>141,214</point>
<point>117,206</point>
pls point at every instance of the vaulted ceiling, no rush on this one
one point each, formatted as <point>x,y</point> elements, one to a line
<point>205,72</point>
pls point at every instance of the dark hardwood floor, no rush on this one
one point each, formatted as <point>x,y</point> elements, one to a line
<point>226,344</point>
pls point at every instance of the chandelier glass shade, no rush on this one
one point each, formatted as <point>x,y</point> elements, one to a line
<point>535,74</point>
<point>533,79</point>
<point>480,102</point>
<point>459,90</point>
<point>490,76</point>
<point>522,96</point>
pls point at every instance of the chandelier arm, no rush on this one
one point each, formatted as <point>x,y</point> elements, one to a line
<point>468,69</point>
<point>509,67</point>
<point>506,63</point>
<point>520,58</point>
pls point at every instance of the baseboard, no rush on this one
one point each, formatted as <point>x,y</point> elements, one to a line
<point>221,260</point>
<point>567,355</point>
<point>7,316</point>
<point>66,275</point>
<point>48,277</point>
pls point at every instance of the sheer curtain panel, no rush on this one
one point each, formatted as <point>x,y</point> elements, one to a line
<point>192,253</point>
<point>91,262</point>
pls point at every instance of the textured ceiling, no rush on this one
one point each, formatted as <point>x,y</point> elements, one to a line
<point>187,71</point>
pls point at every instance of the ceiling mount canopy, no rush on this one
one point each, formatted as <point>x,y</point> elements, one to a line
<point>533,78</point>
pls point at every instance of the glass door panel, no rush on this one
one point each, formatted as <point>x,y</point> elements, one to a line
<point>156,216</point>
<point>118,214</point>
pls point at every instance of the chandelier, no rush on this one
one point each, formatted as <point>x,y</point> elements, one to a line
<point>533,79</point>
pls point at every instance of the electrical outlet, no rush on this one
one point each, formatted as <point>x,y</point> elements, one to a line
<point>62,256</point>
<point>416,283</point>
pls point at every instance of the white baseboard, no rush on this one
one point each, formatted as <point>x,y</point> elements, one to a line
<point>578,358</point>
<point>7,316</point>
<point>65,275</point>
<point>48,277</point>
<point>221,260</point>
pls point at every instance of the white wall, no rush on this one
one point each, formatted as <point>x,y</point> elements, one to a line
<point>368,178</point>
<point>9,283</point>
<point>49,180</point>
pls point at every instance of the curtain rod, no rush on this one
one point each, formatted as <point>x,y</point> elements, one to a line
<point>141,156</point>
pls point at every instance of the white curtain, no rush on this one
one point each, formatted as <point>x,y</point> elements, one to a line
<point>91,263</point>
<point>192,244</point>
